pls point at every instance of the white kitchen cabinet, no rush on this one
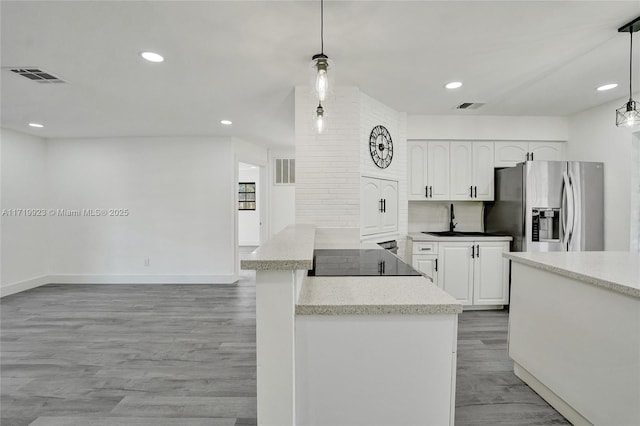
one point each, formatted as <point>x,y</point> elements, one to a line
<point>474,272</point>
<point>471,168</point>
<point>428,170</point>
<point>425,259</point>
<point>379,206</point>
<point>508,154</point>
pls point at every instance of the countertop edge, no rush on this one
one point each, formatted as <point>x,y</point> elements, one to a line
<point>599,282</point>
<point>435,238</point>
<point>453,308</point>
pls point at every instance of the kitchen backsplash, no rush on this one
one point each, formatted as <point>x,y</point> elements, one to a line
<point>434,215</point>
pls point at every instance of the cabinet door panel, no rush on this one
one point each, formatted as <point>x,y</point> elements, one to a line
<point>547,151</point>
<point>461,170</point>
<point>455,273</point>
<point>508,154</point>
<point>370,206</point>
<point>427,265</point>
<point>438,169</point>
<point>483,170</point>
<point>389,217</point>
<point>491,275</point>
<point>417,173</point>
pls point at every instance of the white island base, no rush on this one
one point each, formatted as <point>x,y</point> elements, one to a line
<point>375,369</point>
<point>574,333</point>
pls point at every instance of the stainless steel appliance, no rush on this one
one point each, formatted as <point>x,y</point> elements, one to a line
<point>549,206</point>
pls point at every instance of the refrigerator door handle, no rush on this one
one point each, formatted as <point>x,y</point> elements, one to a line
<point>575,210</point>
<point>568,211</point>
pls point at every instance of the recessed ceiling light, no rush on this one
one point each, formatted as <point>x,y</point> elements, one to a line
<point>152,56</point>
<point>226,122</point>
<point>453,85</point>
<point>607,87</point>
<point>38,125</point>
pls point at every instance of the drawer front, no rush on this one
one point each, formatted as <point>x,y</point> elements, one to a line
<point>425,248</point>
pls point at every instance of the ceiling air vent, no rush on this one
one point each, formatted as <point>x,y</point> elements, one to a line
<point>37,75</point>
<point>470,105</point>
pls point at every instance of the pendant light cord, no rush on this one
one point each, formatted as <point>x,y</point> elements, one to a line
<point>630,64</point>
<point>322,26</point>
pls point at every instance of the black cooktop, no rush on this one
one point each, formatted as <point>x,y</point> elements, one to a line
<point>343,262</point>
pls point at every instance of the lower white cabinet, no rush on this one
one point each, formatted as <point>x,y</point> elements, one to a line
<point>425,259</point>
<point>379,206</point>
<point>475,273</point>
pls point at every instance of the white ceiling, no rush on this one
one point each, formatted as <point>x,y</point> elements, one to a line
<point>240,60</point>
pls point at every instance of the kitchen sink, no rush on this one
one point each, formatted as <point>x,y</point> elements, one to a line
<point>461,234</point>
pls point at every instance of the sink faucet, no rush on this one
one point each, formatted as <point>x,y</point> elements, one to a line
<point>452,216</point>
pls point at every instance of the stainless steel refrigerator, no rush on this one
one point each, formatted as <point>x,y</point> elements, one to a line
<point>549,206</point>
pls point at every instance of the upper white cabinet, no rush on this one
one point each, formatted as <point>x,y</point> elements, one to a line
<point>471,170</point>
<point>379,206</point>
<point>508,154</point>
<point>428,170</point>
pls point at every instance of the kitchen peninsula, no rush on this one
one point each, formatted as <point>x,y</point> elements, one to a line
<point>346,349</point>
<point>574,332</point>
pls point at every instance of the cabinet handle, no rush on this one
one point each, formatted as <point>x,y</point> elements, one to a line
<point>436,265</point>
<point>475,192</point>
<point>478,251</point>
<point>527,156</point>
<point>430,191</point>
<point>426,191</point>
<point>380,206</point>
<point>425,249</point>
<point>384,205</point>
<point>471,191</point>
<point>473,252</point>
<point>532,156</point>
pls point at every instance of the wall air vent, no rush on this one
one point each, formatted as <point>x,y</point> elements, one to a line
<point>470,105</point>
<point>37,75</point>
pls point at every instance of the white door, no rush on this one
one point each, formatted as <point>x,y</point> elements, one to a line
<point>508,154</point>
<point>455,270</point>
<point>427,265</point>
<point>389,215</point>
<point>461,171</point>
<point>370,206</point>
<point>438,170</point>
<point>547,151</point>
<point>483,171</point>
<point>417,173</point>
<point>490,274</point>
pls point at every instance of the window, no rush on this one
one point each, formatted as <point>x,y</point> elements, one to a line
<point>247,196</point>
<point>285,171</point>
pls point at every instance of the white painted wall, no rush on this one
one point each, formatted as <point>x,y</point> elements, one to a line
<point>282,198</point>
<point>24,182</point>
<point>487,127</point>
<point>180,193</point>
<point>249,220</point>
<point>593,136</point>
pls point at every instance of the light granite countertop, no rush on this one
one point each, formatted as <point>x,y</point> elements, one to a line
<point>419,236</point>
<point>614,270</point>
<point>292,249</point>
<point>373,296</point>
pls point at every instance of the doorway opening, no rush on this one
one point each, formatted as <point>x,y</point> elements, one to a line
<point>250,208</point>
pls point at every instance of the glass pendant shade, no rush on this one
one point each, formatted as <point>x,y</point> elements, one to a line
<point>320,119</point>
<point>628,115</point>
<point>321,63</point>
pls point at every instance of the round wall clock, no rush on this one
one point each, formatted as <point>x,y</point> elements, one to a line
<point>381,146</point>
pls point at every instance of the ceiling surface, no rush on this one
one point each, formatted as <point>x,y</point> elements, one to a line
<point>240,60</point>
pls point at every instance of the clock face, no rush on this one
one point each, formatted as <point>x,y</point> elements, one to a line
<point>381,147</point>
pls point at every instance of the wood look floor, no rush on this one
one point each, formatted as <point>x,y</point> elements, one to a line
<point>184,355</point>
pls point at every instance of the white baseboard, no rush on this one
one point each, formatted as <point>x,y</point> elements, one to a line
<point>17,287</point>
<point>141,279</point>
<point>20,286</point>
<point>548,395</point>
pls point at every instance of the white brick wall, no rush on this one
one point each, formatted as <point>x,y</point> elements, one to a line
<point>329,166</point>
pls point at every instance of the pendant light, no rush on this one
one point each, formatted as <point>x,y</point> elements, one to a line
<point>321,62</point>
<point>628,114</point>
<point>320,119</point>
